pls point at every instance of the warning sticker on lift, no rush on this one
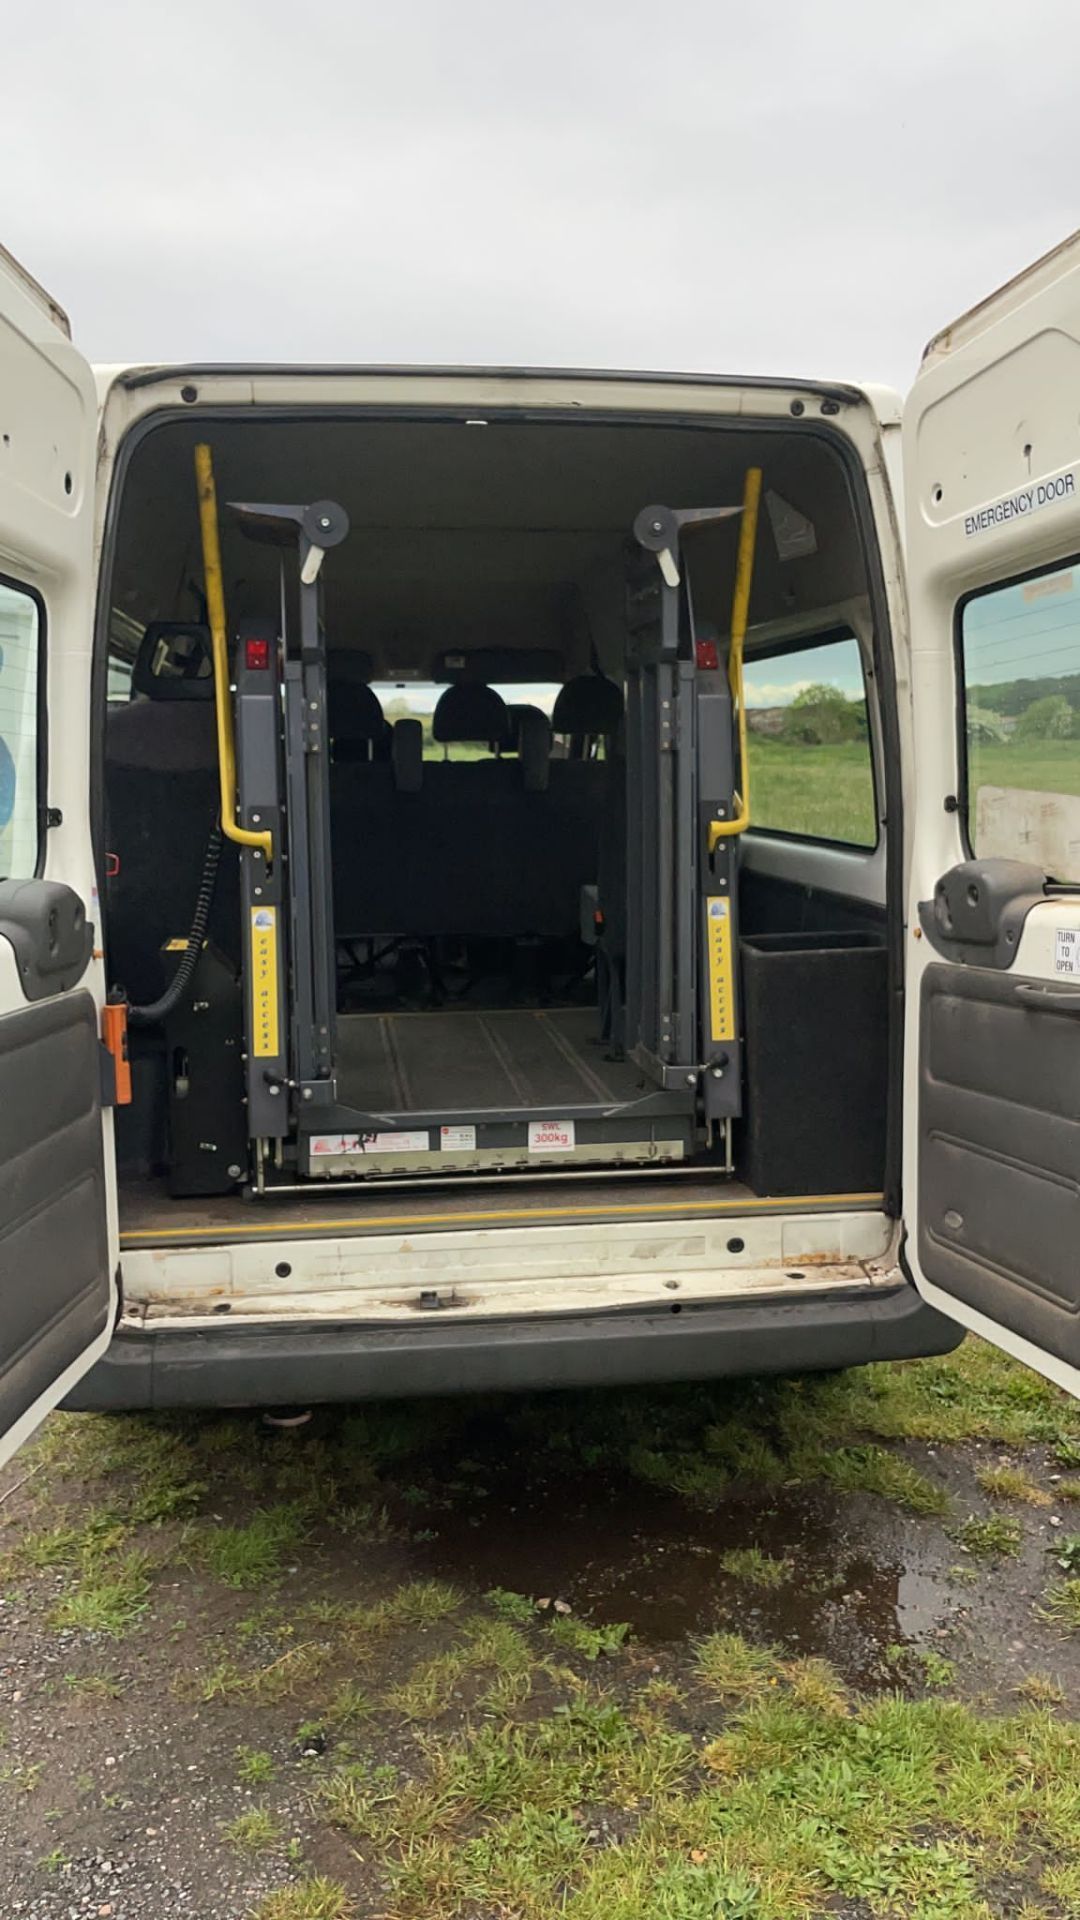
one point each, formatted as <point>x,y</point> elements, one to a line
<point>721,977</point>
<point>1067,950</point>
<point>457,1139</point>
<point>551,1136</point>
<point>327,1145</point>
<point>265,1032</point>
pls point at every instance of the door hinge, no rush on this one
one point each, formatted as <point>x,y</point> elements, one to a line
<point>53,817</point>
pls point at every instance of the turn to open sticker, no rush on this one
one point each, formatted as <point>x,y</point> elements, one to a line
<point>1067,950</point>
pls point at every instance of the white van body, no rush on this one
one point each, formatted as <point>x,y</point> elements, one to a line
<point>502,1286</point>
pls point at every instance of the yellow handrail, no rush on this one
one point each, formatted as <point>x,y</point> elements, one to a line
<point>740,614</point>
<point>215,607</point>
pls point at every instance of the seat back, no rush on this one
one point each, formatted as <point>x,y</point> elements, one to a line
<point>161,804</point>
<point>358,730</point>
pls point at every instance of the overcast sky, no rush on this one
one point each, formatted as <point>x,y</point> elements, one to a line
<point>807,186</point>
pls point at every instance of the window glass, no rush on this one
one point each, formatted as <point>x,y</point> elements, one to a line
<point>20,635</point>
<point>119,682</point>
<point>808,741</point>
<point>417,699</point>
<point>1021,674</point>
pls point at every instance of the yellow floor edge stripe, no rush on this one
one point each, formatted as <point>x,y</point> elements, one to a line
<point>284,1230</point>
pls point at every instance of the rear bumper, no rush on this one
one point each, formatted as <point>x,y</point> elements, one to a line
<point>311,1362</point>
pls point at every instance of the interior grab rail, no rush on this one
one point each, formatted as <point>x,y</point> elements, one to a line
<point>215,608</point>
<point>740,615</point>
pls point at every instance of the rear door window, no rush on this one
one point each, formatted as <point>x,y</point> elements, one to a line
<point>417,700</point>
<point>21,627</point>
<point>1020,680</point>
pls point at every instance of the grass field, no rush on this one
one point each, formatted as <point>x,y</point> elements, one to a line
<point>824,791</point>
<point>828,792</point>
<point>1046,766</point>
<point>641,1655</point>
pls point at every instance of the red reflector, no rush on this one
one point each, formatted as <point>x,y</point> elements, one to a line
<point>708,654</point>
<point>256,655</point>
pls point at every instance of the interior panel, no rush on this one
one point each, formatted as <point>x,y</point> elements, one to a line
<point>999,1150</point>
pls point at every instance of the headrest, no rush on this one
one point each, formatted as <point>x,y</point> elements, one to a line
<point>174,662</point>
<point>534,748</point>
<point>356,718</point>
<point>591,704</point>
<point>349,663</point>
<point>467,712</point>
<point>407,755</point>
<point>140,734</point>
<point>516,713</point>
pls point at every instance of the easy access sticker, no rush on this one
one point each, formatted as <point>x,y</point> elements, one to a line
<point>336,1145</point>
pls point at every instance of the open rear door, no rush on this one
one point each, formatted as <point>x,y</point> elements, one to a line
<point>57,1185</point>
<point>992,1140</point>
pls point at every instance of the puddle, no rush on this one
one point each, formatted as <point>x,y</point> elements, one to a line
<point>629,1552</point>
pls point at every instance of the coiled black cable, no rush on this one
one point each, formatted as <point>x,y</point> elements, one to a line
<point>158,1009</point>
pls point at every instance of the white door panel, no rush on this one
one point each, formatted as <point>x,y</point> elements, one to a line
<point>992,1095</point>
<point>57,1183</point>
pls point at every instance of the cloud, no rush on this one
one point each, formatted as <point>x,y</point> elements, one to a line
<point>797,189</point>
<point>773,693</point>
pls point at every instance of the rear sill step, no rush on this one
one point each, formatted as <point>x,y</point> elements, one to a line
<point>359,1223</point>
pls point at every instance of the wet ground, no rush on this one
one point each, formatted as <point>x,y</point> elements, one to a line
<point>860,1582</point>
<point>215,1635</point>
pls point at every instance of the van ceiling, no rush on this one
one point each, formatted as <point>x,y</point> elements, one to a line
<point>509,534</point>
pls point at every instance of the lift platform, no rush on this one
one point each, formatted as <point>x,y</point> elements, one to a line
<point>334,1096</point>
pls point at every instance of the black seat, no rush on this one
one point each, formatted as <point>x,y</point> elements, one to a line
<point>358,727</point>
<point>471,713</point>
<point>161,804</point>
<point>459,849</point>
<point>611,897</point>
<point>587,712</point>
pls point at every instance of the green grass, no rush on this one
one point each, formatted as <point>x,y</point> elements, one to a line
<point>22,1779</point>
<point>1041,1689</point>
<point>731,1668</point>
<point>827,791</point>
<point>253,1554</point>
<point>54,1861</point>
<point>823,791</point>
<point>419,1603</point>
<point>937,1671</point>
<point>96,1686</point>
<point>756,1568</point>
<point>807,1799</point>
<point>870,1469</point>
<point>1041,766</point>
<point>1010,1483</point>
<point>254,1766</point>
<point>1063,1605</point>
<point>495,1646</point>
<point>256,1830</point>
<point>314,1899</point>
<point>989,1536</point>
<point>512,1606</point>
<point>592,1643</point>
<point>110,1598</point>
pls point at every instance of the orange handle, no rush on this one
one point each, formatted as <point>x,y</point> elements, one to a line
<point>114,1033</point>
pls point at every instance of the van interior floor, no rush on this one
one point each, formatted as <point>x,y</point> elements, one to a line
<point>149,1216</point>
<point>512,1058</point>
